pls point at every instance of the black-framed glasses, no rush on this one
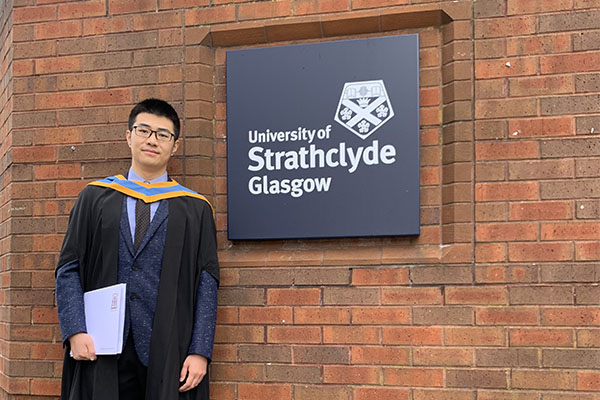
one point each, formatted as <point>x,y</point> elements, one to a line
<point>144,131</point>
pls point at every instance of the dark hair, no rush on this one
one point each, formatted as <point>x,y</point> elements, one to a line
<point>156,107</point>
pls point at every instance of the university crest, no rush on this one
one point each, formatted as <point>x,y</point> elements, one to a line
<point>364,107</point>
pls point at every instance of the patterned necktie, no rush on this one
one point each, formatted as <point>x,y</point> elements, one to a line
<point>142,222</point>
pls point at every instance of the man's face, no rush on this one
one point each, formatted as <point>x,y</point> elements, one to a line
<point>148,153</point>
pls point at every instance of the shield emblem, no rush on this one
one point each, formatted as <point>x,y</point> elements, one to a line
<point>364,107</point>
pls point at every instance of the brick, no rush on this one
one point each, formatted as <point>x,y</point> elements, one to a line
<point>433,394</point>
<point>321,355</point>
<point>89,80</point>
<point>107,61</point>
<point>510,26</point>
<point>506,191</point>
<point>350,374</point>
<point>293,296</point>
<point>587,168</point>
<point>506,150</point>
<point>247,391</point>
<point>293,334</point>
<point>507,108</point>
<point>82,9</point>
<point>586,40</point>
<point>506,232</point>
<point>443,316</point>
<point>582,188</point>
<point>538,44</point>
<point>238,296</point>
<point>322,315</point>
<point>490,129</point>
<point>157,57</point>
<point>23,15</point>
<point>570,147</point>
<point>508,316</point>
<point>264,315</point>
<point>131,41</point>
<point>58,65</point>
<point>168,4</point>
<point>487,69</point>
<point>210,15</point>
<point>490,171</point>
<point>541,295</point>
<point>353,296</point>
<point>411,295</point>
<point>541,337</point>
<point>321,392</point>
<point>491,89</point>
<point>366,393</point>
<point>534,7</point>
<point>81,45</point>
<point>546,169</point>
<point>108,97</point>
<point>431,377</point>
<point>132,77</point>
<point>561,126</point>
<point>567,273</point>
<point>375,355</point>
<point>571,358</point>
<point>587,83</point>
<point>45,48</point>
<point>577,231</point>
<point>582,104</point>
<point>476,378</point>
<point>380,276</point>
<point>100,26</point>
<point>443,357</point>
<point>540,252</point>
<point>125,6</point>
<point>569,316</point>
<point>587,251</point>
<point>380,315</point>
<point>572,21</point>
<point>237,372</point>
<point>293,373</point>
<point>442,274</point>
<point>476,295</point>
<point>239,334</point>
<point>273,9</point>
<point>329,276</point>
<point>588,338</point>
<point>470,336</point>
<point>507,358</point>
<point>157,21</point>
<point>350,335</point>
<point>56,30</point>
<point>488,8</point>
<point>587,380</point>
<point>490,252</point>
<point>546,379</point>
<point>490,48</point>
<point>58,100</point>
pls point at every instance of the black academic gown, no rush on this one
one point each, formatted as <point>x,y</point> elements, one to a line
<point>92,238</point>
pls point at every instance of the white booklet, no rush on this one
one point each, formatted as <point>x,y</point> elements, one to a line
<point>105,318</point>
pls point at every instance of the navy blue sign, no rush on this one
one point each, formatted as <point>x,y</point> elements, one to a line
<point>323,139</point>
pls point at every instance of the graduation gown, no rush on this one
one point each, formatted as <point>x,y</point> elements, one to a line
<point>92,238</point>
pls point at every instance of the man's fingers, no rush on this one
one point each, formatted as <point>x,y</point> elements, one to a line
<point>184,371</point>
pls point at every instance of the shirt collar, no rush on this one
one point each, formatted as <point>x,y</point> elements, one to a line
<point>132,176</point>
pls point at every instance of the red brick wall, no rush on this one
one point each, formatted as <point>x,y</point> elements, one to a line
<point>497,298</point>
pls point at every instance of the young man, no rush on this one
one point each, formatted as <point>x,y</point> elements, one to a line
<point>159,238</point>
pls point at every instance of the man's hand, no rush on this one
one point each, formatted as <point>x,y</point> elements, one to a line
<point>194,369</point>
<point>82,346</point>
